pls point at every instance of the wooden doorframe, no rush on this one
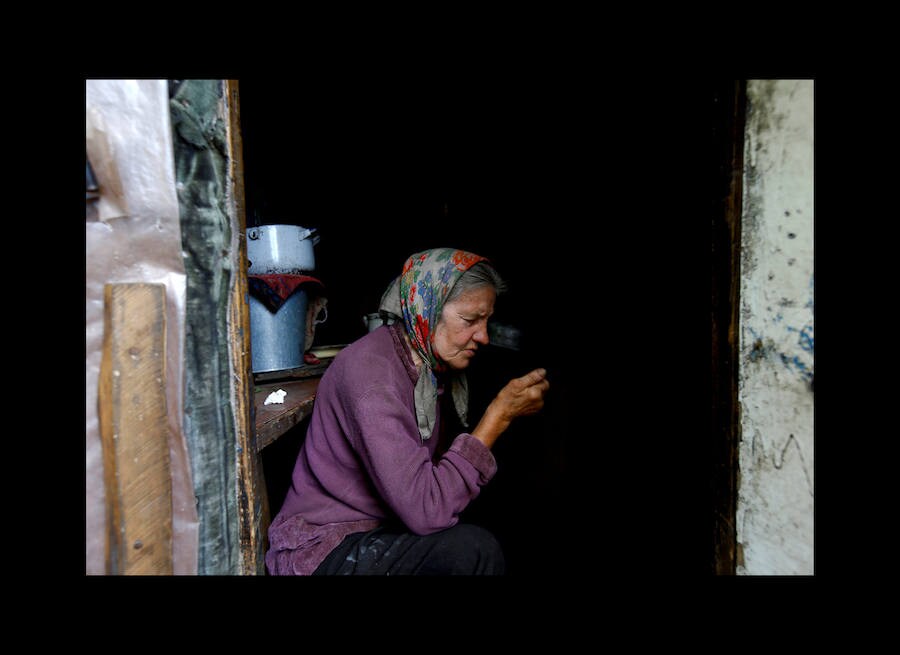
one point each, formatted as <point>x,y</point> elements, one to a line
<point>252,501</point>
<point>728,124</point>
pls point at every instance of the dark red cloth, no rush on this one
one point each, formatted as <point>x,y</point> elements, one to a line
<point>274,290</point>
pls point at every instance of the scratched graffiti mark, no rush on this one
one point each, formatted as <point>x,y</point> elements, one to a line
<point>780,464</point>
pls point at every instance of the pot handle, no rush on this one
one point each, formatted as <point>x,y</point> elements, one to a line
<point>305,234</point>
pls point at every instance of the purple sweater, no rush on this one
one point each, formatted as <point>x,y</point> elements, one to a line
<point>363,460</point>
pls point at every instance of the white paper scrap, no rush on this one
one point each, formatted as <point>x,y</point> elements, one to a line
<point>276,397</point>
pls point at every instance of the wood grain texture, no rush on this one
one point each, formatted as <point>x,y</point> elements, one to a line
<point>208,223</point>
<point>274,420</point>
<point>253,503</point>
<point>726,270</point>
<point>299,373</point>
<point>134,430</point>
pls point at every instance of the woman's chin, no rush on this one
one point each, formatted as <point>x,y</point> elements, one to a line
<point>461,362</point>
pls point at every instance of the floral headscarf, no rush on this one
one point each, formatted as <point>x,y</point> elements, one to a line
<point>416,298</point>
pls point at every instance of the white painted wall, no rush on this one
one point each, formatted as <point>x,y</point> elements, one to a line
<point>775,513</point>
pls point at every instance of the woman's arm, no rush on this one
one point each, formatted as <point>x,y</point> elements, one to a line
<point>426,495</point>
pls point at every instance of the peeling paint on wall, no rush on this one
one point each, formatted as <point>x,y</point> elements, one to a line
<point>777,342</point>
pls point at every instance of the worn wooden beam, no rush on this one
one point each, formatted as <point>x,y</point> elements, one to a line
<point>726,270</point>
<point>273,420</point>
<point>134,430</point>
<point>205,198</point>
<point>253,506</point>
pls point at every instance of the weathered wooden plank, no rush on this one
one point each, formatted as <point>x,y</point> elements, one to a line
<point>274,420</point>
<point>134,430</point>
<point>208,223</point>
<point>253,506</point>
<point>299,373</point>
<point>726,267</point>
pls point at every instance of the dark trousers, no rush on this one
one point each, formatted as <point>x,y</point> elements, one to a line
<point>461,550</point>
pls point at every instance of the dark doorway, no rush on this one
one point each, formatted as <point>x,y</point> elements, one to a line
<point>593,199</point>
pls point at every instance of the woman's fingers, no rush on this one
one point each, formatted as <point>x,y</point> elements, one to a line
<point>532,378</point>
<point>525,395</point>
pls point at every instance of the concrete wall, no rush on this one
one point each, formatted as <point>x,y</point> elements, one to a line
<point>775,512</point>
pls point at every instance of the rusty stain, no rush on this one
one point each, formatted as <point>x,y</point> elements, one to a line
<point>757,351</point>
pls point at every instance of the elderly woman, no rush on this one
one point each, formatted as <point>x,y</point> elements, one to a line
<point>388,463</point>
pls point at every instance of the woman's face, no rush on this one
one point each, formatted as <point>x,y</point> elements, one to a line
<point>463,327</point>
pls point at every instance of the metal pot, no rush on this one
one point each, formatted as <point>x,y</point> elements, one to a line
<point>281,249</point>
<point>376,320</point>
<point>278,339</point>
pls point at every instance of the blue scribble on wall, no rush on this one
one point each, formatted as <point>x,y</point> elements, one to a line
<point>795,363</point>
<point>805,337</point>
<point>806,341</point>
<point>799,363</point>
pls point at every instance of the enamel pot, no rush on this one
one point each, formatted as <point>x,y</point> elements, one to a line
<point>281,249</point>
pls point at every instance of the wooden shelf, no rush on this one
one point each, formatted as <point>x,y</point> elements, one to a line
<point>274,420</point>
<point>305,371</point>
<point>301,385</point>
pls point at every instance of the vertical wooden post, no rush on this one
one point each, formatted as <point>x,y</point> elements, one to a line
<point>726,275</point>
<point>253,503</point>
<point>134,430</point>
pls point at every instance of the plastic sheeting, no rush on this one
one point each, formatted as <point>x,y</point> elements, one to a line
<point>133,234</point>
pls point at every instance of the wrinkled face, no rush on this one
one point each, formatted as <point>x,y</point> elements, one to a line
<point>463,327</point>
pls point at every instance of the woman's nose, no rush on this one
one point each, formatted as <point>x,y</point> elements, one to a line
<point>481,336</point>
